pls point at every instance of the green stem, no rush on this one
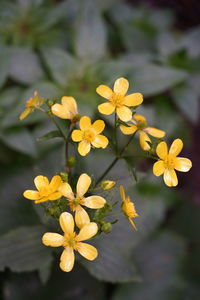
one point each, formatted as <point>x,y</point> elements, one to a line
<point>57,125</point>
<point>113,214</point>
<point>115,135</point>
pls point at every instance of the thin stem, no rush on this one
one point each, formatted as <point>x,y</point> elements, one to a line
<point>115,135</point>
<point>113,214</point>
<point>57,125</point>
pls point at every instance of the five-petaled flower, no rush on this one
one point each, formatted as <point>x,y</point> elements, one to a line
<point>31,105</point>
<point>75,201</point>
<point>67,109</point>
<point>117,99</point>
<point>89,134</point>
<point>46,191</point>
<point>128,207</point>
<point>72,241</point>
<point>139,123</point>
<point>169,162</point>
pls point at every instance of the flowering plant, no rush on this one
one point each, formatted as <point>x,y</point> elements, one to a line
<point>85,206</point>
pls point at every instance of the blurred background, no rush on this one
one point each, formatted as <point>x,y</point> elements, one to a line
<point>68,48</point>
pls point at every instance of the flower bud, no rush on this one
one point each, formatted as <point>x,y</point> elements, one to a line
<point>71,161</point>
<point>64,176</point>
<point>107,184</point>
<point>106,227</point>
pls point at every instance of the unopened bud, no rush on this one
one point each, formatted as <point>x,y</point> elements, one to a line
<point>107,184</point>
<point>71,161</point>
<point>64,176</point>
<point>50,102</point>
<point>106,227</point>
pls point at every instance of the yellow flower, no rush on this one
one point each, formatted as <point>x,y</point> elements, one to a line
<point>46,191</point>
<point>89,135</point>
<point>107,184</point>
<point>128,207</point>
<point>66,110</point>
<point>169,162</point>
<point>71,241</point>
<point>117,99</point>
<point>139,123</point>
<point>31,105</point>
<point>75,201</point>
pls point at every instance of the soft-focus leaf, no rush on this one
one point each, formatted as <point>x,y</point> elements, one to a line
<point>50,135</point>
<point>153,79</point>
<point>25,66</point>
<point>5,57</point>
<point>22,250</point>
<point>192,42</point>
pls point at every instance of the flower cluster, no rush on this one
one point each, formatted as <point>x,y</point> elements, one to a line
<point>77,203</point>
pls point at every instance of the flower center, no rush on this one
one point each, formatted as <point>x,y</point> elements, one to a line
<point>30,103</point>
<point>45,191</point>
<point>70,240</point>
<point>117,100</point>
<point>141,125</point>
<point>75,202</point>
<point>129,209</point>
<point>169,162</point>
<point>89,135</point>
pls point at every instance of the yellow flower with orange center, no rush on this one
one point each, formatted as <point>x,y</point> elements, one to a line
<point>89,134</point>
<point>117,99</point>
<point>67,109</point>
<point>71,241</point>
<point>45,191</point>
<point>76,201</point>
<point>139,123</point>
<point>169,162</point>
<point>128,207</point>
<point>31,105</point>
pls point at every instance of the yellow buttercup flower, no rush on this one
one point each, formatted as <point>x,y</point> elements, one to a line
<point>139,123</point>
<point>67,109</point>
<point>169,162</point>
<point>71,241</point>
<point>31,105</point>
<point>117,99</point>
<point>89,134</point>
<point>46,191</point>
<point>128,207</point>
<point>75,201</point>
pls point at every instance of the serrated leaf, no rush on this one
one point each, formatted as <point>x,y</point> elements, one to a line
<point>22,250</point>
<point>153,79</point>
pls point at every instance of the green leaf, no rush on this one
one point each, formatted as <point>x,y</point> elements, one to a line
<point>158,261</point>
<point>49,135</point>
<point>22,249</point>
<point>25,66</point>
<point>61,64</point>
<point>20,139</point>
<point>90,34</point>
<point>153,79</point>
<point>5,57</point>
<point>187,100</point>
<point>192,42</point>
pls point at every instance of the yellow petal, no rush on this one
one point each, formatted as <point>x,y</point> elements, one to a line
<point>41,182</point>
<point>81,217</point>
<point>55,182</point>
<point>170,177</point>
<point>25,113</point>
<point>66,222</point>
<point>55,196</point>
<point>67,259</point>
<point>134,99</point>
<point>87,231</point>
<point>104,91</point>
<point>106,108</point>
<point>85,123</point>
<point>183,164</point>
<point>65,190</point>
<point>162,150</point>
<point>176,147</point>
<point>60,111</point>
<point>94,202</point>
<point>70,104</point>
<point>31,195</point>
<point>124,113</point>
<point>139,118</point>
<point>83,184</point>
<point>155,132</point>
<point>100,141</point>
<point>122,193</point>
<point>158,168</point>
<point>52,239</point>
<point>84,148</point>
<point>132,223</point>
<point>87,251</point>
<point>77,135</point>
<point>98,126</point>
<point>128,130</point>
<point>144,138</point>
<point>121,86</point>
